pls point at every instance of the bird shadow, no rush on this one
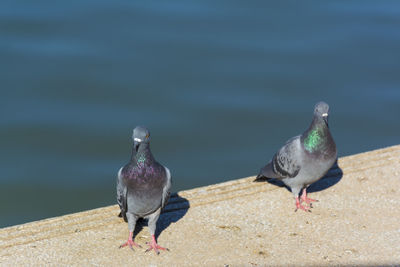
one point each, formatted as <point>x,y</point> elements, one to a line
<point>332,177</point>
<point>175,210</point>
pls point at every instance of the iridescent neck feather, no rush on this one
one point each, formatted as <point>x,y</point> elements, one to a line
<point>141,158</point>
<point>313,139</point>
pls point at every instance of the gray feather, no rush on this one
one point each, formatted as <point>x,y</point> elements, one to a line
<point>167,189</point>
<point>121,195</point>
<point>143,185</point>
<point>306,158</point>
<point>284,163</point>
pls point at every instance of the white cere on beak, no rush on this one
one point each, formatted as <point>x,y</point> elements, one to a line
<point>137,139</point>
<point>325,115</point>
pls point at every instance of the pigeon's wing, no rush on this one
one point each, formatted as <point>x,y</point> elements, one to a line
<point>167,188</point>
<point>121,195</point>
<point>285,162</point>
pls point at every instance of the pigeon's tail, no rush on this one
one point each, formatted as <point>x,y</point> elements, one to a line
<point>266,173</point>
<point>123,215</point>
<point>260,178</point>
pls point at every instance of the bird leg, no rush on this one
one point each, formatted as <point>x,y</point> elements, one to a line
<point>130,242</point>
<point>153,245</point>
<point>305,199</point>
<point>299,206</point>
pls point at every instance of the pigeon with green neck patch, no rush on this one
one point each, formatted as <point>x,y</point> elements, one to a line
<point>304,159</point>
<point>143,188</point>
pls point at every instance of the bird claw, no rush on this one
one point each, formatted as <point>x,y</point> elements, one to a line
<point>308,200</point>
<point>299,206</point>
<point>130,243</point>
<point>305,199</point>
<point>155,250</point>
<point>306,209</point>
<point>154,246</point>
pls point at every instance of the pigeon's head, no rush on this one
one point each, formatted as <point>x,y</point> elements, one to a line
<point>140,136</point>
<point>322,110</point>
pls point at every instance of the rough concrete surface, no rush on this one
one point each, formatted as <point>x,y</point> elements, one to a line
<point>237,223</point>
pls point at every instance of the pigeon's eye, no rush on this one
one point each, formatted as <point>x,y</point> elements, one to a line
<point>147,136</point>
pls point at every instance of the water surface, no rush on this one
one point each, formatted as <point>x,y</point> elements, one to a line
<point>221,86</point>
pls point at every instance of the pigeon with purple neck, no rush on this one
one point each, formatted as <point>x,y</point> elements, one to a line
<point>143,188</point>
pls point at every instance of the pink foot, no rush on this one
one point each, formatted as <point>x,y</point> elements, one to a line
<point>130,242</point>
<point>308,200</point>
<point>305,199</point>
<point>299,206</point>
<point>153,245</point>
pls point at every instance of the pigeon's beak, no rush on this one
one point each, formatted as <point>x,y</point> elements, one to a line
<point>325,117</point>
<point>136,143</point>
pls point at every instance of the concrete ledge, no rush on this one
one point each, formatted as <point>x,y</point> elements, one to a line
<point>237,223</point>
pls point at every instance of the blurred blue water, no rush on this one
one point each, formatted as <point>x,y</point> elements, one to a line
<point>221,85</point>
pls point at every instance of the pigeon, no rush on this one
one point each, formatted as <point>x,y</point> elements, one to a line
<point>143,188</point>
<point>304,159</point>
